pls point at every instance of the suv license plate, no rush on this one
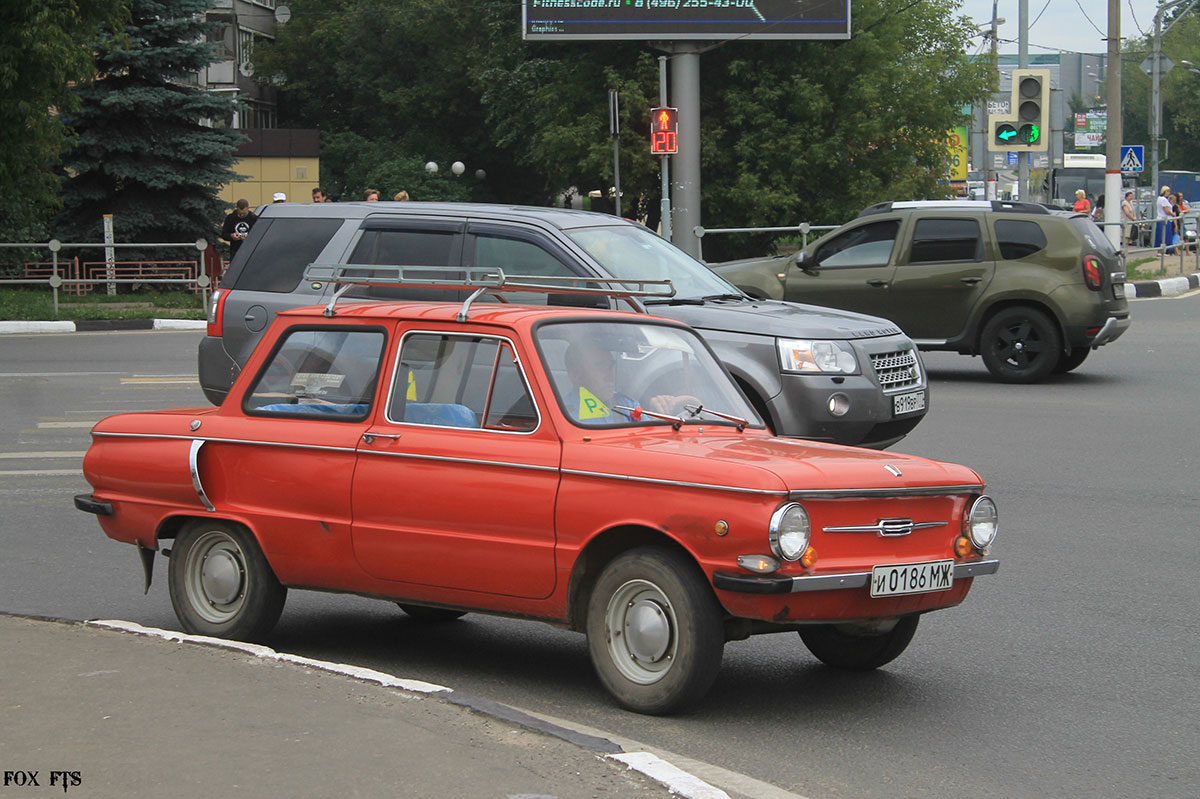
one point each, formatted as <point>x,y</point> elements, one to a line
<point>912,578</point>
<point>908,403</point>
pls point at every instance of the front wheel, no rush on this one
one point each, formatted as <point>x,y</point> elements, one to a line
<point>221,584</point>
<point>858,647</point>
<point>654,631</point>
<point>1020,345</point>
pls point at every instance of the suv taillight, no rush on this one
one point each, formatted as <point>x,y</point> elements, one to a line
<point>1091,272</point>
<point>216,312</point>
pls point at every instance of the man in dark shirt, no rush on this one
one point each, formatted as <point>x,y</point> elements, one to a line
<point>237,226</point>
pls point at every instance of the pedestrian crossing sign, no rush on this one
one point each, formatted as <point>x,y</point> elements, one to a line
<point>1133,158</point>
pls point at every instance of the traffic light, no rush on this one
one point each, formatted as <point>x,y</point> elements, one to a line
<point>1027,125</point>
<point>664,131</point>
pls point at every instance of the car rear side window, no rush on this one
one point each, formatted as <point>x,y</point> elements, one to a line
<point>1019,239</point>
<point>937,240</point>
<point>460,381</point>
<point>328,374</point>
<point>280,255</point>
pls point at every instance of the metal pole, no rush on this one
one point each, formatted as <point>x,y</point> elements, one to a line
<point>665,202</point>
<point>1113,133</point>
<point>1023,62</point>
<point>991,177</point>
<point>614,128</point>
<point>685,184</point>
<point>1156,102</point>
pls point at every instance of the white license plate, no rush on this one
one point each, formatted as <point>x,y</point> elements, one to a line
<point>908,403</point>
<point>912,578</point>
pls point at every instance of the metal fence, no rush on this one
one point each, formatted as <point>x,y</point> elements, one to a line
<point>80,277</point>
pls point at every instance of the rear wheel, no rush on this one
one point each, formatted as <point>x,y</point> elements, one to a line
<point>221,584</point>
<point>1020,345</point>
<point>858,647</point>
<point>1071,360</point>
<point>654,631</point>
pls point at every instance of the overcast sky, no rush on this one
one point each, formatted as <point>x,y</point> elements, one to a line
<point>1077,26</point>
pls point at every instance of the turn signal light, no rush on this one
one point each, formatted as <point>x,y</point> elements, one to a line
<point>963,547</point>
<point>809,558</point>
<point>763,564</point>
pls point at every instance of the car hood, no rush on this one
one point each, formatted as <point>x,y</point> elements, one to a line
<point>777,318</point>
<point>756,461</point>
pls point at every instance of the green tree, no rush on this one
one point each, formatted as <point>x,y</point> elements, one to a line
<point>791,131</point>
<point>42,51</point>
<point>144,152</point>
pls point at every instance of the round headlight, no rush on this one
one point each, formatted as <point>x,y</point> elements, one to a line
<point>982,523</point>
<point>790,531</point>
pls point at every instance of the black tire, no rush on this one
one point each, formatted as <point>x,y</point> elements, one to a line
<point>674,654</point>
<point>1020,345</point>
<point>848,646</point>
<point>428,615</point>
<point>221,584</point>
<point>1072,359</point>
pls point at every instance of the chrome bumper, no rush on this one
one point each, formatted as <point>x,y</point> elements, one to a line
<point>775,584</point>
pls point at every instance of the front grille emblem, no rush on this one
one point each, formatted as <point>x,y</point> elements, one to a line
<point>886,528</point>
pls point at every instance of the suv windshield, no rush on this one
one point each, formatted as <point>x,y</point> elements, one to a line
<point>633,252</point>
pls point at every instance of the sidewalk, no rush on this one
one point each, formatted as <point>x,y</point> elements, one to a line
<point>105,713</point>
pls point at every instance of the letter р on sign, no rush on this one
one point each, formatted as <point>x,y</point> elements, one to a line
<point>664,131</point>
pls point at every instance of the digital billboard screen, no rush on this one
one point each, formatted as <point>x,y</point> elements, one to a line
<point>666,20</point>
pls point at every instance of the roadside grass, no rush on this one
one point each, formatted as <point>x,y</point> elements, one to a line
<point>1152,268</point>
<point>25,304</point>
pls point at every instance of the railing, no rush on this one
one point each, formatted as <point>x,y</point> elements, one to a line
<point>75,277</point>
<point>804,228</point>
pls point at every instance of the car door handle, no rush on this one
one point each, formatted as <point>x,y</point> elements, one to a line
<point>970,281</point>
<point>369,438</point>
<point>877,283</point>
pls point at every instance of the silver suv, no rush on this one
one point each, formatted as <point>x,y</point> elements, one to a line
<point>811,372</point>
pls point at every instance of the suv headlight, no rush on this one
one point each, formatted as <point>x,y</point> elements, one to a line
<point>790,531</point>
<point>815,356</point>
<point>982,523</point>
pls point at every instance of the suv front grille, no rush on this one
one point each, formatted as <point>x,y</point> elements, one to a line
<point>896,370</point>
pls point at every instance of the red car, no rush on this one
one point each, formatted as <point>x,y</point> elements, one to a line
<point>596,470</point>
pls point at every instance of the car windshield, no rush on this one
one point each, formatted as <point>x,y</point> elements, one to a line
<point>622,373</point>
<point>633,252</point>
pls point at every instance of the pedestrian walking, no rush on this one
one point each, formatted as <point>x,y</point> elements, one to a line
<point>1128,220</point>
<point>1164,224</point>
<point>1081,202</point>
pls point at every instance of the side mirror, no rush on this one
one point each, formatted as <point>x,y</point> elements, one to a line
<point>806,264</point>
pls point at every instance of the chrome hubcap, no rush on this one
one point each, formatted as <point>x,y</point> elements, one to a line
<point>221,577</point>
<point>647,631</point>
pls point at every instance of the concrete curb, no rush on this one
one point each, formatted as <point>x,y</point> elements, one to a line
<point>93,325</point>
<point>1167,287</point>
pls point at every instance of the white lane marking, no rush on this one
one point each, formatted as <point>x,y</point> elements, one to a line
<point>674,778</point>
<point>67,425</point>
<point>49,455</point>
<point>171,380</point>
<point>357,672</point>
<point>44,473</point>
<point>735,783</point>
<point>180,324</point>
<point>57,374</point>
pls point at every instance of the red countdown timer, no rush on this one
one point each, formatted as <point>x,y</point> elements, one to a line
<point>664,131</point>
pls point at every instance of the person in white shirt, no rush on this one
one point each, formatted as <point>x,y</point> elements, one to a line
<point>1164,231</point>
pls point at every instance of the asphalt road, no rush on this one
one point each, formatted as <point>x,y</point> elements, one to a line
<point>1071,673</point>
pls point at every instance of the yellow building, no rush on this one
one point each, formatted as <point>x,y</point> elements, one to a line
<point>284,160</point>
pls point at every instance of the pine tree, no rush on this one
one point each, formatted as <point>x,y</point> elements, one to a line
<point>144,151</point>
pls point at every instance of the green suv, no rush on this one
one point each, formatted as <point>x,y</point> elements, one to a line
<point>1030,288</point>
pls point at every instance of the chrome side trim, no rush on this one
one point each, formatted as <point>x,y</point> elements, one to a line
<point>875,493</point>
<point>194,468</point>
<point>676,483</point>
<point>229,441</point>
<point>448,459</point>
<point>831,582</point>
<point>886,528</point>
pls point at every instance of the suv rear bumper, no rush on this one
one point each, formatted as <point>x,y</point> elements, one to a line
<point>1111,331</point>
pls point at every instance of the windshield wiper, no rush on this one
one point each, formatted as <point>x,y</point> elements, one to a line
<point>676,301</point>
<point>696,410</point>
<point>725,297</point>
<point>636,414</point>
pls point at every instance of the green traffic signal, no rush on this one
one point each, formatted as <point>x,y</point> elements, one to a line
<point>1005,133</point>
<point>1029,134</point>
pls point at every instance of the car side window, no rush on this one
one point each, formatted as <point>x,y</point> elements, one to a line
<point>1019,238</point>
<point>281,252</point>
<point>517,257</point>
<point>866,245</point>
<point>937,240</point>
<point>447,380</point>
<point>328,373</point>
<point>408,246</point>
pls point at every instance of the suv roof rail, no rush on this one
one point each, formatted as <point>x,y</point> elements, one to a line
<point>491,281</point>
<point>1012,206</point>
